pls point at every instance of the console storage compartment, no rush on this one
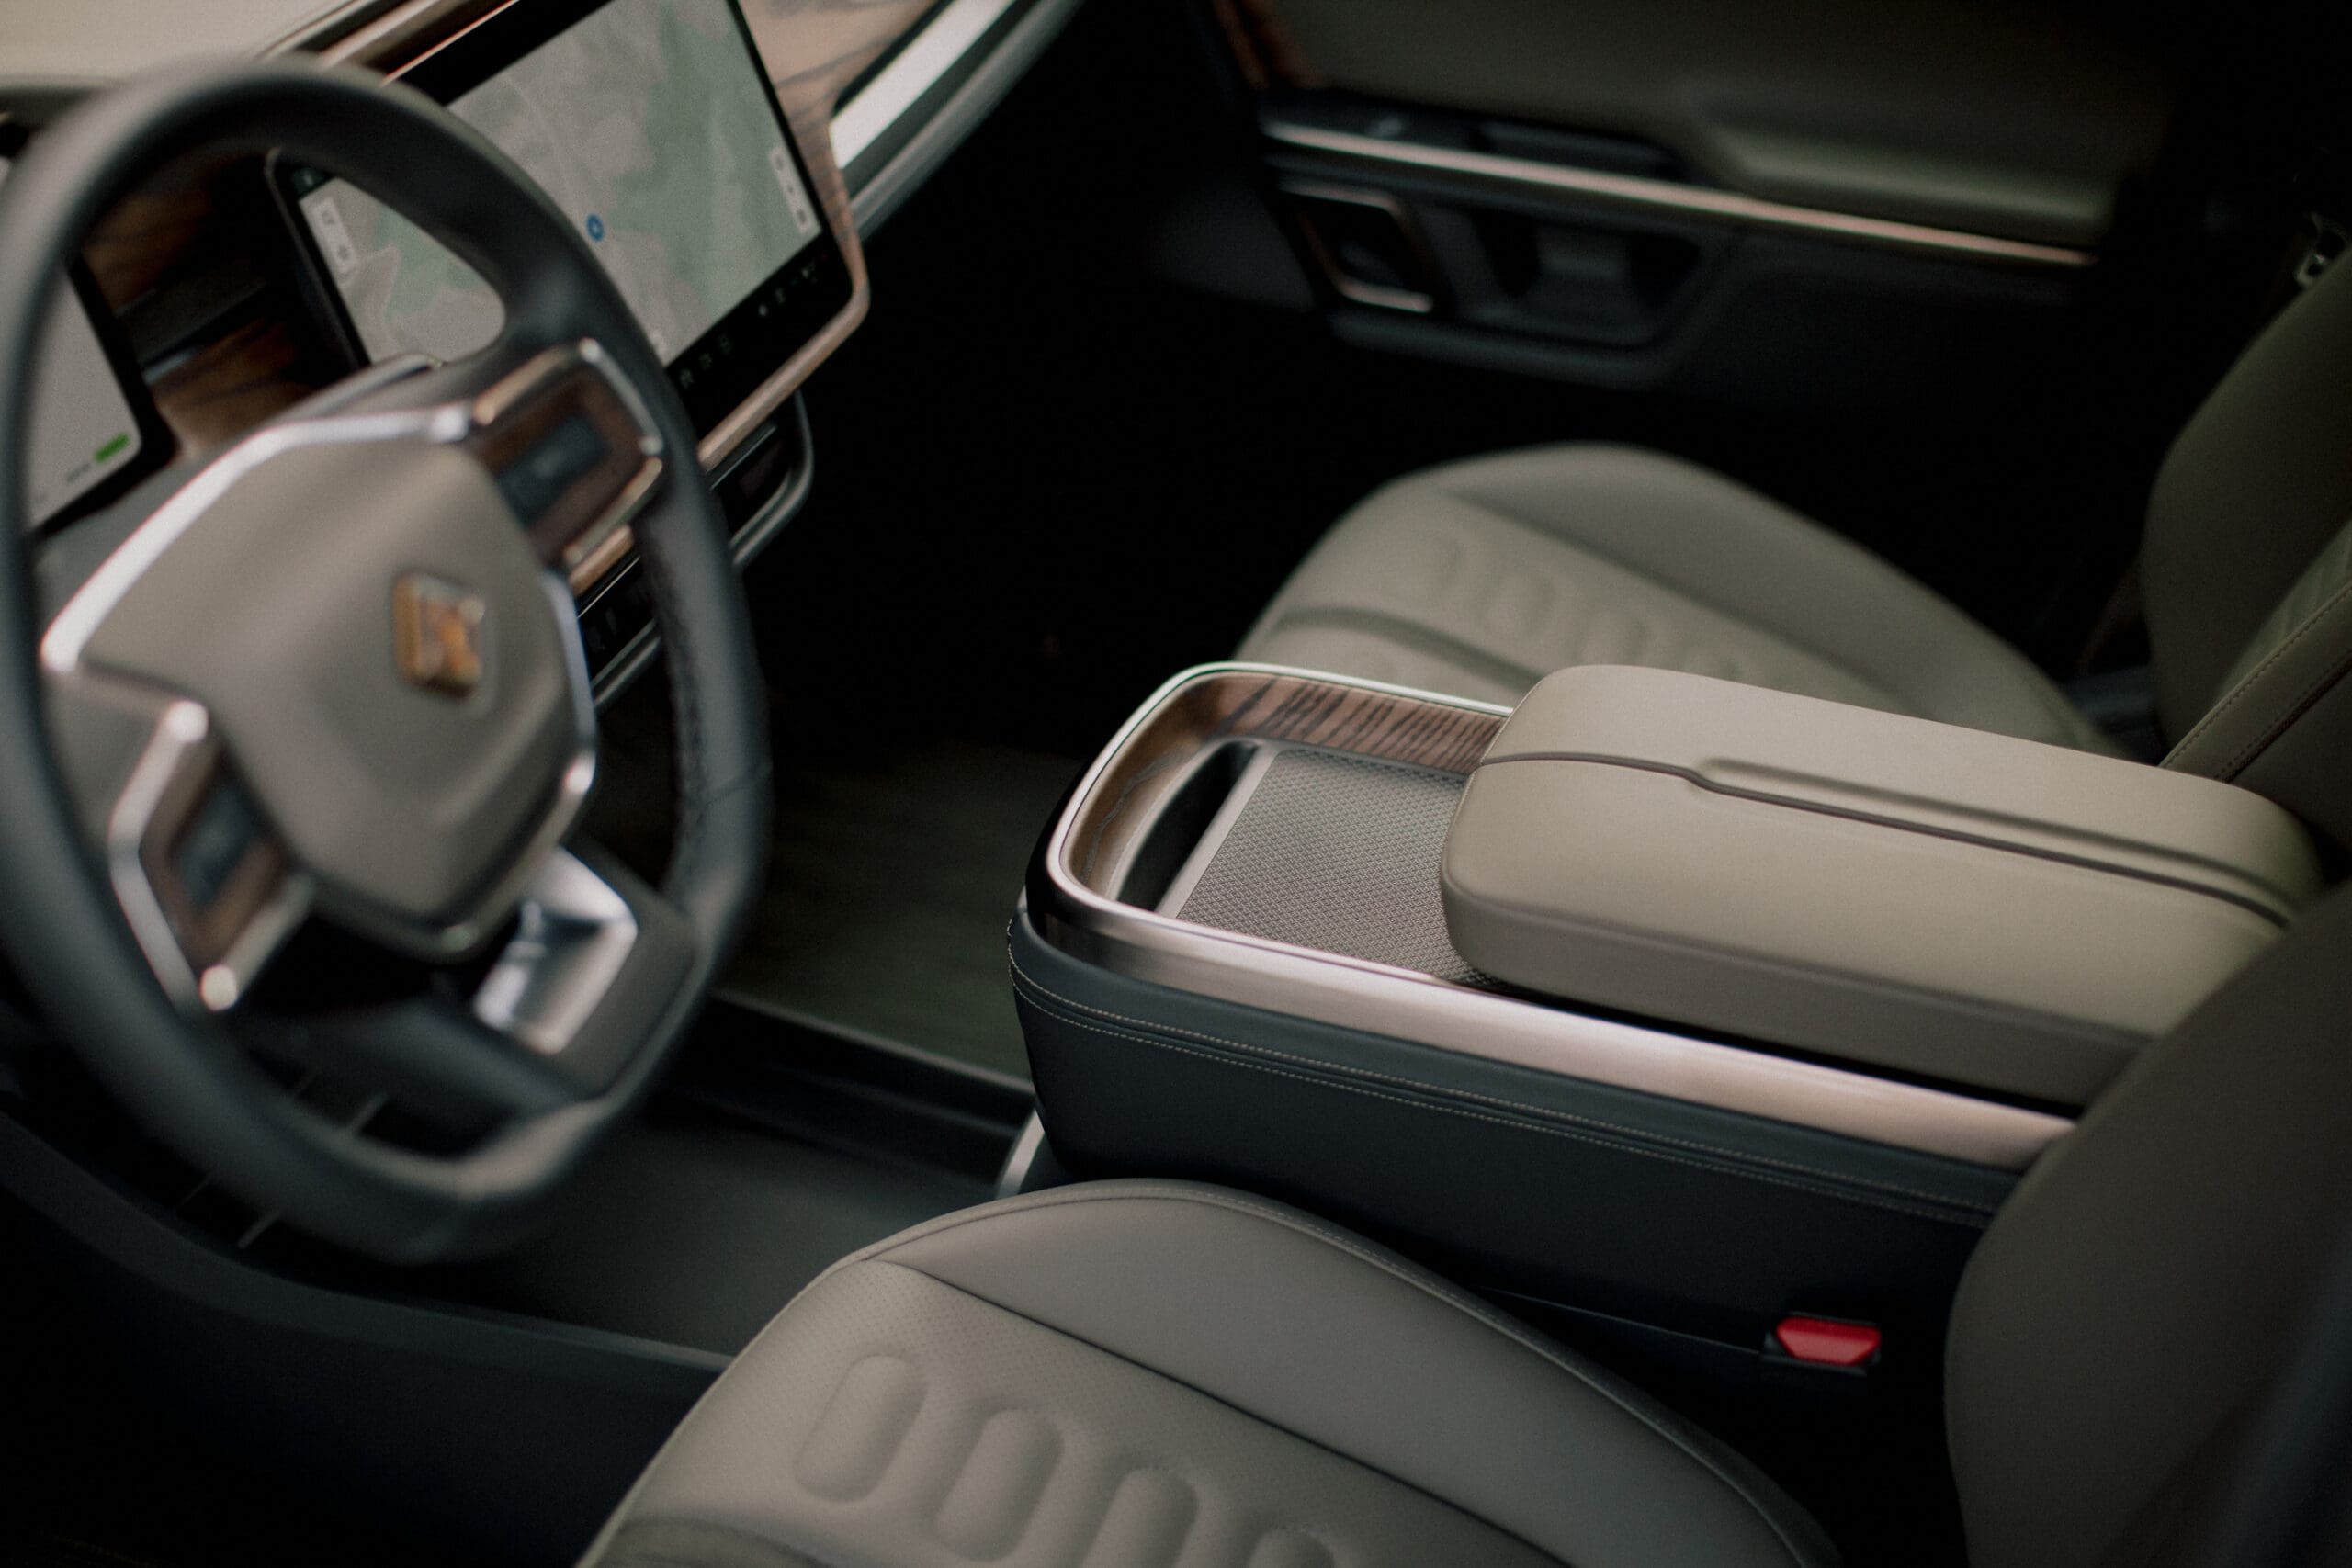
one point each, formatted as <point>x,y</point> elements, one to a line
<point>2013,917</point>
<point>1232,964</point>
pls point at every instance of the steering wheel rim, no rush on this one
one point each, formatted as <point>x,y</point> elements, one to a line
<point>182,1074</point>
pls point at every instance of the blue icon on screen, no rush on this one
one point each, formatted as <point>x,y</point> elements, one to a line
<point>595,227</point>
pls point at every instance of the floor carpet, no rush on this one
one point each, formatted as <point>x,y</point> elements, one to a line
<point>888,890</point>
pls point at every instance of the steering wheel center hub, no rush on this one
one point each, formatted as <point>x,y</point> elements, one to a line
<point>339,669</point>
<point>367,629</point>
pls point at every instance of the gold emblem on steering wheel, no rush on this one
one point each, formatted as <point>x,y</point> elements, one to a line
<point>437,634</point>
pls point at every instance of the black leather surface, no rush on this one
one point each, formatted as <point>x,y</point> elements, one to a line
<point>1655,1210</point>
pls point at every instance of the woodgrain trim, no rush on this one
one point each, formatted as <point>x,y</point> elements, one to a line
<point>817,49</point>
<point>1263,50</point>
<point>1154,759</point>
<point>1154,756</point>
<point>245,378</point>
<point>395,40</point>
<point>810,49</point>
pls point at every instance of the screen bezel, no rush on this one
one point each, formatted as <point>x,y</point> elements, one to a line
<point>719,371</point>
<point>157,445</point>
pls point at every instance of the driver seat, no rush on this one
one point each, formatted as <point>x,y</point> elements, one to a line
<point>1154,1374</point>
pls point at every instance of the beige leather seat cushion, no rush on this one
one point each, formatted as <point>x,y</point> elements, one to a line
<point>1154,1374</point>
<point>1479,578</point>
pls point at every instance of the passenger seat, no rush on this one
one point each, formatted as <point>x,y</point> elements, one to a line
<point>1479,578</point>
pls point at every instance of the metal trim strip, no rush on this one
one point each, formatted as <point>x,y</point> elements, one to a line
<point>1352,994</point>
<point>1667,196</point>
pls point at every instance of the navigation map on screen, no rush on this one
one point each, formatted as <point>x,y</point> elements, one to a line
<point>649,124</point>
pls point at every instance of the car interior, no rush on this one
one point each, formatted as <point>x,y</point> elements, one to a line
<point>1179,784</point>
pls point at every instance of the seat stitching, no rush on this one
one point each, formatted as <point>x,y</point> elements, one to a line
<point>1252,1416</point>
<point>2053,705</point>
<point>1772,1178</point>
<point>1427,1285</point>
<point>1583,546</point>
<point>1547,1112</point>
<point>2240,691</point>
<point>2294,710</point>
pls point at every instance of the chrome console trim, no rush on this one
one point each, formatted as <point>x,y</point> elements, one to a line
<point>1349,993</point>
<point>1668,195</point>
<point>1013,1178</point>
<point>1196,865</point>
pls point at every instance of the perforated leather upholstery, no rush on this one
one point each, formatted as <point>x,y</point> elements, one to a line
<point>1141,1375</point>
<point>1480,577</point>
<point>1149,1374</point>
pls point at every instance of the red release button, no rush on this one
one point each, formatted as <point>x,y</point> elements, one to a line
<point>1827,1343</point>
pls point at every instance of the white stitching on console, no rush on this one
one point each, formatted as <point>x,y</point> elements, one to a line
<point>1047,994</point>
<point>1791,1183</point>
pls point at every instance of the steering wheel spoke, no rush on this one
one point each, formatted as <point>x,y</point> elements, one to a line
<point>336,682</point>
<point>595,960</point>
<point>209,888</point>
<point>570,446</point>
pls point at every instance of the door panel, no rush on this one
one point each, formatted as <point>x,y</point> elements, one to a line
<point>1990,118</point>
<point>1836,206</point>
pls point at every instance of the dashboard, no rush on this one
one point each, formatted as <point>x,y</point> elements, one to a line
<point>691,143</point>
<point>93,429</point>
<point>652,124</point>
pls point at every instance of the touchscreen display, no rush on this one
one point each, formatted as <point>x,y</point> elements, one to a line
<point>651,124</point>
<point>85,431</point>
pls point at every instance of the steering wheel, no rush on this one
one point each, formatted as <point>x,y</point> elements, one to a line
<point>333,683</point>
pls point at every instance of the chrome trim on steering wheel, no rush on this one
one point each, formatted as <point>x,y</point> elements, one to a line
<point>170,786</point>
<point>503,426</point>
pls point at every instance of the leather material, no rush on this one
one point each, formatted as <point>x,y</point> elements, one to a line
<point>1748,861</point>
<point>2314,592</point>
<point>2283,725</point>
<point>2258,484</point>
<point>70,943</point>
<point>1479,578</point>
<point>2141,1286</point>
<point>1143,1374</point>
<point>1701,1221</point>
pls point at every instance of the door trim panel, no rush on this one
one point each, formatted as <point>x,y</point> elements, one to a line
<point>1631,191</point>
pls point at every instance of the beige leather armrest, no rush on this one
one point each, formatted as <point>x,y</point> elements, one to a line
<point>1881,889</point>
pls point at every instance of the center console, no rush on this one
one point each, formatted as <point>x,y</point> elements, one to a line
<point>1593,1004</point>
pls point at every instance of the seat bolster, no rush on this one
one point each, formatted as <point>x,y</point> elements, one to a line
<point>1511,566</point>
<point>1145,1374</point>
<point>2282,726</point>
<point>1345,1344</point>
<point>889,1420</point>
